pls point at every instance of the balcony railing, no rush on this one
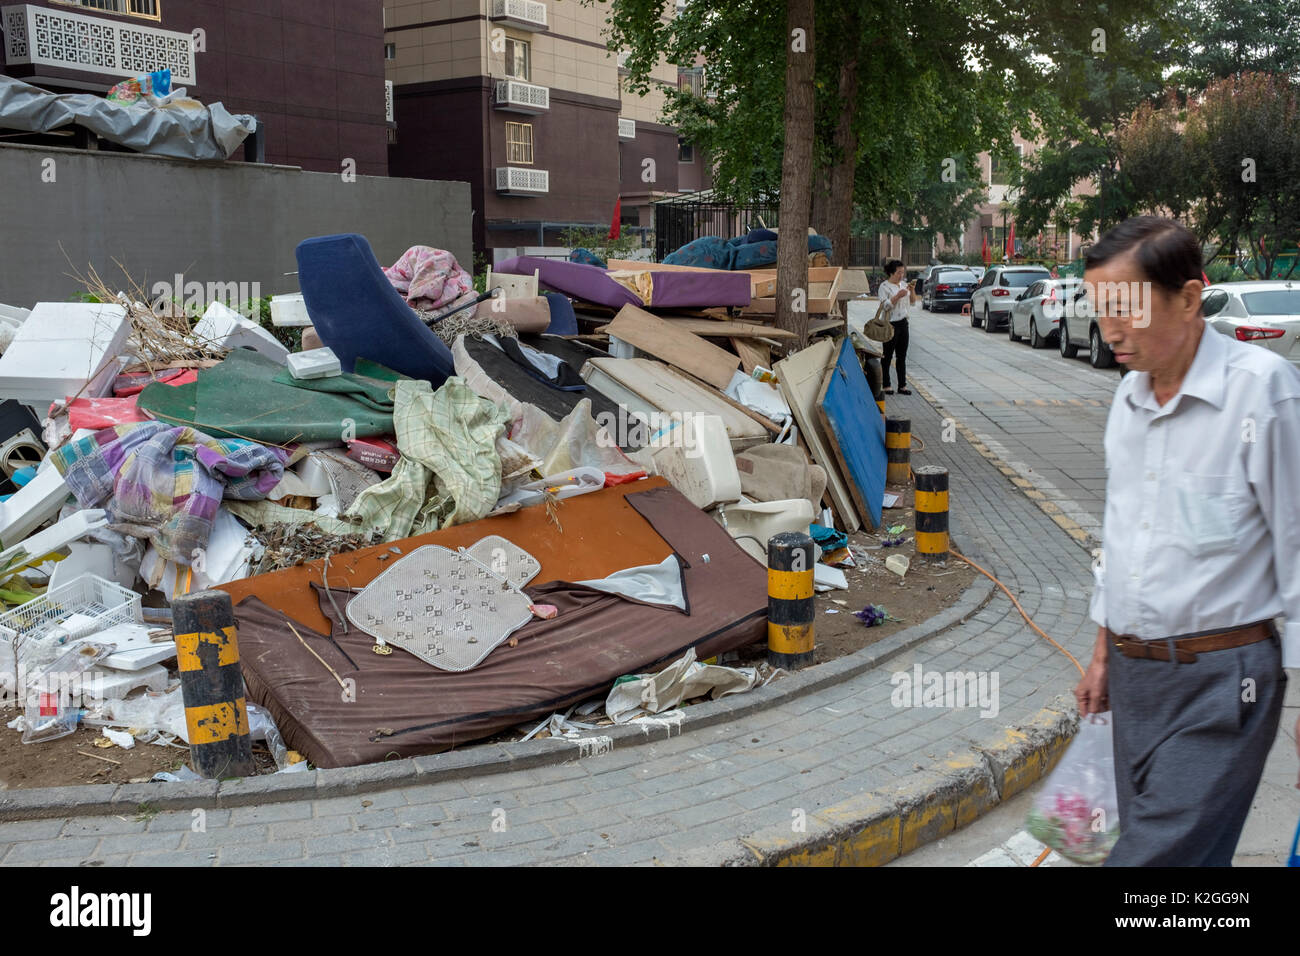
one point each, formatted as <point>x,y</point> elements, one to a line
<point>388,100</point>
<point>524,14</point>
<point>45,37</point>
<point>514,181</point>
<point>518,97</point>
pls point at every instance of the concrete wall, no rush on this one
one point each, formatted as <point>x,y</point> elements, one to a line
<point>227,223</point>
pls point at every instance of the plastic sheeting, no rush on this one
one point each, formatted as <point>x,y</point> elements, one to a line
<point>180,128</point>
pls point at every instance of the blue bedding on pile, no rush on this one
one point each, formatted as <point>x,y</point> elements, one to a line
<point>751,251</point>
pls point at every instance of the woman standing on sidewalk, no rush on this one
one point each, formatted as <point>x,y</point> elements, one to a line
<point>897,298</point>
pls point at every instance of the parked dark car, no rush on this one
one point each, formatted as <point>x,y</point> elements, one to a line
<point>949,290</point>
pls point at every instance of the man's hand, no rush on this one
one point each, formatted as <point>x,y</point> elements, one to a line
<point>1091,692</point>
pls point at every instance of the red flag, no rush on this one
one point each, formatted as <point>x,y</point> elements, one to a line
<point>1011,242</point>
<point>1204,277</point>
<point>616,225</point>
<point>984,250</point>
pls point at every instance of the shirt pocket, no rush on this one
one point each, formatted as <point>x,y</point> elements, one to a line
<point>1208,513</point>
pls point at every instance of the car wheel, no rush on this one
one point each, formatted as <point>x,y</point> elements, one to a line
<point>988,320</point>
<point>1036,341</point>
<point>1067,350</point>
<point>1099,353</point>
<point>1011,327</point>
<point>974,319</point>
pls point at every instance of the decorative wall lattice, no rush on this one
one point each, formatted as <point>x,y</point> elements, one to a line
<point>44,37</point>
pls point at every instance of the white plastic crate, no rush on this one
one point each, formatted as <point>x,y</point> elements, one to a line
<point>97,604</point>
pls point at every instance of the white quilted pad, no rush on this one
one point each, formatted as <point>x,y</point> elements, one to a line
<point>443,606</point>
<point>505,558</point>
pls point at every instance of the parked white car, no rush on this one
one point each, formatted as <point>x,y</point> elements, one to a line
<point>1265,312</point>
<point>1036,313</point>
<point>990,304</point>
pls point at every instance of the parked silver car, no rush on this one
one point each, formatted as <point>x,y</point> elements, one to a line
<point>1036,313</point>
<point>1078,329</point>
<point>1265,312</point>
<point>990,304</point>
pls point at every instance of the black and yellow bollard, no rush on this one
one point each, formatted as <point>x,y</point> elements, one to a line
<point>212,685</point>
<point>932,512</point>
<point>898,450</point>
<point>790,606</point>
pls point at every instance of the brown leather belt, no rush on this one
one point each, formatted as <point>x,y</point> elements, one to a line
<point>1186,648</point>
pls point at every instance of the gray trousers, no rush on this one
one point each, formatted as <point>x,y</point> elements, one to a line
<point>1189,751</point>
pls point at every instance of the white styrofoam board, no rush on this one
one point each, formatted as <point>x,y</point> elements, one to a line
<point>58,535</point>
<point>61,347</point>
<point>222,325</point>
<point>314,363</point>
<point>32,505</point>
<point>290,311</point>
<point>12,315</point>
<point>105,684</point>
<point>134,649</point>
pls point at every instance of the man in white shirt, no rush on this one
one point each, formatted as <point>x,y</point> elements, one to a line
<point>1201,551</point>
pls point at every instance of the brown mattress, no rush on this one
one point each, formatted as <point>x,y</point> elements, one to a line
<point>404,707</point>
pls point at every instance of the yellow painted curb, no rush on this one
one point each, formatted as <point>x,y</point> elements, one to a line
<point>875,827</point>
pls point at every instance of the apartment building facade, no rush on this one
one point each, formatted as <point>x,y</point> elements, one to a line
<point>524,100</point>
<point>311,71</point>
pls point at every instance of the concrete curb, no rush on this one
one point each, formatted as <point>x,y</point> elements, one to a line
<point>873,828</point>
<point>100,799</point>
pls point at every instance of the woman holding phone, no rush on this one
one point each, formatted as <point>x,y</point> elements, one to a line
<point>896,296</point>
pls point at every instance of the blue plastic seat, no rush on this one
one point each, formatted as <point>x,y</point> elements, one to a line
<point>563,320</point>
<point>358,313</point>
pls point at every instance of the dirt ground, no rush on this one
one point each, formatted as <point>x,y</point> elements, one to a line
<point>923,592</point>
<point>75,759</point>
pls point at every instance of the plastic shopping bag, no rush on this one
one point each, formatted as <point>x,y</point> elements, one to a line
<point>1076,813</point>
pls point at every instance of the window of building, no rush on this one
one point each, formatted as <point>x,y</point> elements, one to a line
<point>519,143</point>
<point>692,80</point>
<point>518,59</point>
<point>131,8</point>
<point>390,51</point>
<point>685,152</point>
<point>1000,171</point>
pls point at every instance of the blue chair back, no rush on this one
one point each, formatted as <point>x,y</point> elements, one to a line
<point>358,313</point>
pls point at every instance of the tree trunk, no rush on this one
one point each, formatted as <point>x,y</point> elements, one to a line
<point>796,172</point>
<point>839,229</point>
<point>822,214</point>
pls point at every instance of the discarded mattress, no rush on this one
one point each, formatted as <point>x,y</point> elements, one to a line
<point>251,396</point>
<point>181,129</point>
<point>403,706</point>
<point>527,387</point>
<point>670,289</point>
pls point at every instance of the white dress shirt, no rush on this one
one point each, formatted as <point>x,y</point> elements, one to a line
<point>1202,523</point>
<point>897,311</point>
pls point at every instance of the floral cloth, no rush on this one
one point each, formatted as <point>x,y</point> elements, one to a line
<point>429,278</point>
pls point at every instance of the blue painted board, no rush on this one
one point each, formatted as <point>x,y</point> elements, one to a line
<point>856,430</point>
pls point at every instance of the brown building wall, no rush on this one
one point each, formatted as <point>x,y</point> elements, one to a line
<point>312,71</point>
<point>449,129</point>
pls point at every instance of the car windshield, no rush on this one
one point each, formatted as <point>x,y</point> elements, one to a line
<point>1274,302</point>
<point>1018,280</point>
<point>957,278</point>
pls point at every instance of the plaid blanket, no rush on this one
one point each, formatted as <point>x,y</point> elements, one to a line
<point>164,483</point>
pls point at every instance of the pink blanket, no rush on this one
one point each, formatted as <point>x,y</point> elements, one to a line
<point>429,278</point>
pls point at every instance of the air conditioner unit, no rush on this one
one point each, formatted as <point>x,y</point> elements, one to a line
<point>518,97</point>
<point>524,14</point>
<point>626,128</point>
<point>517,181</point>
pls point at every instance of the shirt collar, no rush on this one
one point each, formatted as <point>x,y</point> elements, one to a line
<point>1204,380</point>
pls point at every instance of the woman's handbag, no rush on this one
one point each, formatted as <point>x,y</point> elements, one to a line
<point>879,328</point>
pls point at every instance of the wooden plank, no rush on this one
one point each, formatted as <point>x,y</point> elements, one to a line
<point>745,410</point>
<point>647,387</point>
<point>725,330</point>
<point>853,433</point>
<point>674,345</point>
<point>801,376</point>
<point>752,354</point>
<point>815,273</point>
<point>722,330</point>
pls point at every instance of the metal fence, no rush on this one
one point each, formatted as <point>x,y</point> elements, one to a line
<point>683,219</point>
